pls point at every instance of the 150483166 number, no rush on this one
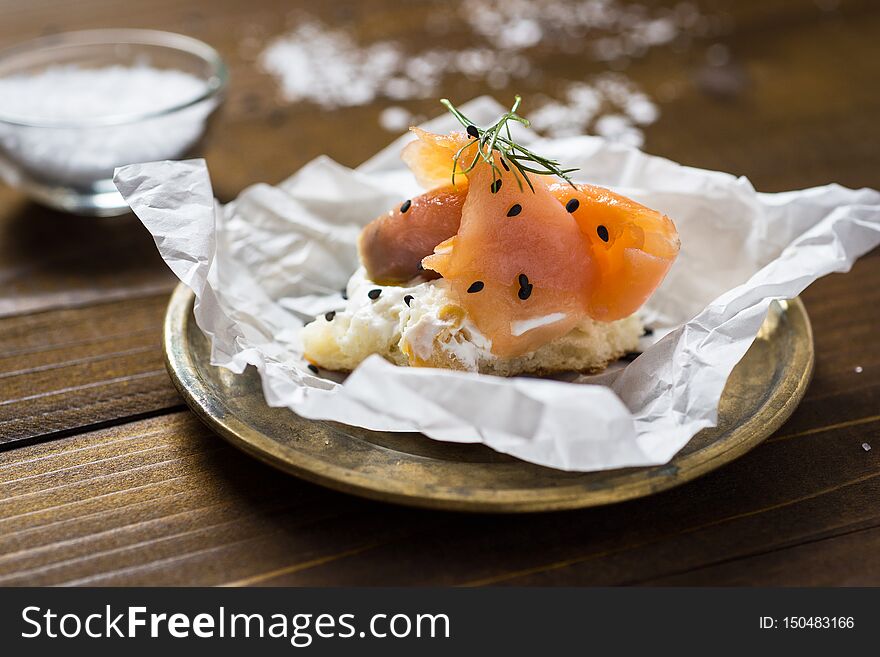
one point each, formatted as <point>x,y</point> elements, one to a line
<point>818,622</point>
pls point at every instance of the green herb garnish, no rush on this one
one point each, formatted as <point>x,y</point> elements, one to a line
<point>498,138</point>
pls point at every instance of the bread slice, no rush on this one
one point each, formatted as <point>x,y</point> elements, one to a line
<point>587,348</point>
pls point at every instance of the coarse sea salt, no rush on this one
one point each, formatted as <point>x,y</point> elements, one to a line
<point>327,65</point>
<point>70,146</point>
<point>609,105</point>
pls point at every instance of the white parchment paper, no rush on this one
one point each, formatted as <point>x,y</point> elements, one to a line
<point>266,262</point>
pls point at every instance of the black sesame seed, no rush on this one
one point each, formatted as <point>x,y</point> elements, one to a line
<point>406,206</point>
<point>648,331</point>
<point>495,186</point>
<point>504,164</point>
<point>329,316</point>
<point>603,233</point>
<point>313,369</point>
<point>472,131</point>
<point>408,299</point>
<point>515,209</point>
<point>374,294</point>
<point>525,288</point>
<point>476,286</point>
<point>344,293</point>
<point>572,205</point>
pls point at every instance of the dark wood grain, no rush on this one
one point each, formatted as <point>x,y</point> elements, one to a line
<point>70,368</point>
<point>150,500</point>
<point>844,559</point>
<point>160,500</point>
<point>49,260</point>
<point>163,501</point>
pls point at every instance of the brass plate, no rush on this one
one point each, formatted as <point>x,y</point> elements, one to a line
<point>408,468</point>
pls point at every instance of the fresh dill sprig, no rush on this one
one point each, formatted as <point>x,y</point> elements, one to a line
<point>498,138</point>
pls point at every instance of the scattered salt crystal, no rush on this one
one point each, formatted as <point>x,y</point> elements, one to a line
<point>657,32</point>
<point>608,48</point>
<point>584,97</point>
<point>78,155</point>
<point>617,127</point>
<point>858,369</point>
<point>475,62</point>
<point>559,120</point>
<point>326,65</point>
<point>521,33</point>
<point>616,28</point>
<point>398,88</point>
<point>611,125</point>
<point>866,447</point>
<point>641,109</point>
<point>610,105</point>
<point>395,119</point>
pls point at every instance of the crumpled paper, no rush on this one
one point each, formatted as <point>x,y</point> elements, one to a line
<point>277,256</point>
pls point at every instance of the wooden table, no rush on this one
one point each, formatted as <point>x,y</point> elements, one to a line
<point>106,478</point>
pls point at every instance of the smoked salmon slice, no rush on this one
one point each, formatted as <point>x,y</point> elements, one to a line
<point>525,262</point>
<point>392,246</point>
<point>519,276</point>
<point>431,158</point>
<point>631,248</point>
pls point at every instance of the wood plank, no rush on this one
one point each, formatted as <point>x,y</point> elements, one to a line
<point>796,120</point>
<point>50,260</point>
<point>781,494</point>
<point>842,309</point>
<point>65,369</point>
<point>162,501</point>
<point>151,500</point>
<point>848,559</point>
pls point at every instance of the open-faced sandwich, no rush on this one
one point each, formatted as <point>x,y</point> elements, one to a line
<point>503,266</point>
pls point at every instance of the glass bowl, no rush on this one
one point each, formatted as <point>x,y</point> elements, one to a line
<point>62,150</point>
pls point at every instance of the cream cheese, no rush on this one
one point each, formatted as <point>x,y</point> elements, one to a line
<point>525,325</point>
<point>421,328</point>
